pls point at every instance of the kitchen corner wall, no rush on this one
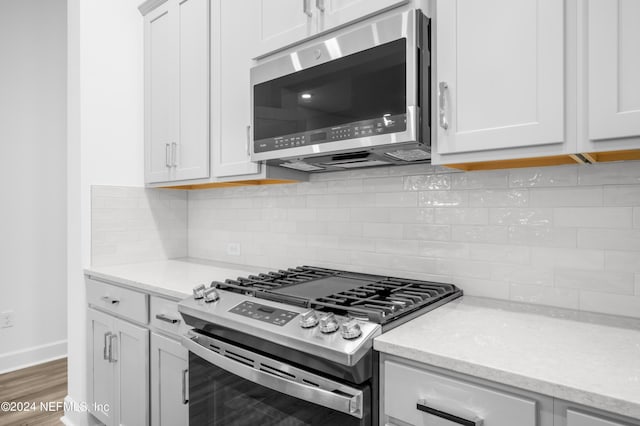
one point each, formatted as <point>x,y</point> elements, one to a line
<point>130,224</point>
<point>566,236</point>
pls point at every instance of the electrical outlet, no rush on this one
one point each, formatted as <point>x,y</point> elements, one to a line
<point>6,319</point>
<point>233,249</point>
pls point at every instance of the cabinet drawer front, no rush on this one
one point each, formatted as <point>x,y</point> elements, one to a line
<point>404,386</point>
<point>575,418</point>
<point>121,301</point>
<point>165,316</point>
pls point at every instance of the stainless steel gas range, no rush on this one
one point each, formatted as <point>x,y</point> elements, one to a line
<point>295,346</point>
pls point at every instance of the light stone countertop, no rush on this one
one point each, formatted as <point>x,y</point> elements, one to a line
<point>588,359</point>
<point>174,279</point>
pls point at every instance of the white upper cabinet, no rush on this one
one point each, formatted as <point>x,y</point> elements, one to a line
<point>613,71</point>
<point>231,97</point>
<point>281,23</point>
<point>499,74</point>
<point>177,91</point>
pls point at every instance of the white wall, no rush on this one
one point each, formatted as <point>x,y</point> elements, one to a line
<point>33,190</point>
<point>105,142</point>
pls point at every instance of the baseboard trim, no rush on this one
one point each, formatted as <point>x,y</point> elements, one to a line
<point>77,417</point>
<point>35,355</point>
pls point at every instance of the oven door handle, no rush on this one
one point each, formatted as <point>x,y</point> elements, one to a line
<point>344,399</point>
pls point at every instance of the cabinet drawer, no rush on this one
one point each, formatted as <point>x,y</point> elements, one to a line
<point>121,301</point>
<point>405,386</point>
<point>165,316</point>
<point>576,418</point>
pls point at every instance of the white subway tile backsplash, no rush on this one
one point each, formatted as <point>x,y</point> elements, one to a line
<point>427,182</point>
<point>608,303</point>
<point>443,199</point>
<point>499,198</point>
<point>427,232</point>
<point>463,216</point>
<point>565,236</point>
<point>593,217</point>
<point>480,179</point>
<point>565,197</point>
<point>521,216</point>
<point>561,297</point>
<point>543,176</point>
<point>602,281</point>
<point>609,239</point>
<point>542,236</point>
<point>621,195</point>
<point>479,233</point>
<point>610,173</point>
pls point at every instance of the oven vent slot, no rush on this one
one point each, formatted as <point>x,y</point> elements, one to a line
<point>310,383</point>
<point>215,348</point>
<point>341,393</point>
<point>239,358</point>
<point>277,372</point>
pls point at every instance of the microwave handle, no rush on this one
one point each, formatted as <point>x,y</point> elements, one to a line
<point>442,89</point>
<point>249,140</point>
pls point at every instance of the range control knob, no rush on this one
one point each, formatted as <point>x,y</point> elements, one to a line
<point>211,295</point>
<point>198,291</point>
<point>328,323</point>
<point>308,319</point>
<point>350,329</point>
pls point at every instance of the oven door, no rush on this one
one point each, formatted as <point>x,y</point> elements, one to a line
<point>229,385</point>
<point>353,91</point>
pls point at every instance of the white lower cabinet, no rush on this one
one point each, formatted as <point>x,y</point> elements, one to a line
<point>416,396</point>
<point>118,369</point>
<point>575,418</point>
<point>169,382</point>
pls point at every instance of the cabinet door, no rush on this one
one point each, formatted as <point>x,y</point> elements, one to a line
<point>132,373</point>
<point>160,89</point>
<point>280,23</point>
<point>100,372</point>
<point>190,154</point>
<point>231,96</point>
<point>169,386</point>
<point>499,74</point>
<point>334,13</point>
<point>575,418</point>
<point>613,69</point>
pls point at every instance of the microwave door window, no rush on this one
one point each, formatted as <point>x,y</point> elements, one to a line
<point>362,86</point>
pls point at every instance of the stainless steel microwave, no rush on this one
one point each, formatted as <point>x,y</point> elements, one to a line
<point>357,99</point>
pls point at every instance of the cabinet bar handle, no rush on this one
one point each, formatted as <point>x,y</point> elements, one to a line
<point>320,5</point>
<point>442,89</point>
<point>185,386</point>
<point>110,300</point>
<point>163,317</point>
<point>166,155</point>
<point>422,406</point>
<point>174,154</point>
<point>112,357</point>
<point>105,351</point>
<point>249,140</point>
<point>306,7</point>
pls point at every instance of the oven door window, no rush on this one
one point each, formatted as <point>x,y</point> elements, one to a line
<point>366,85</point>
<point>217,397</point>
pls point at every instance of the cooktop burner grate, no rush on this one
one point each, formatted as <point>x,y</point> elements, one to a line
<point>374,297</point>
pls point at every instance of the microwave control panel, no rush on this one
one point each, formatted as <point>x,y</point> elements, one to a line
<point>360,129</point>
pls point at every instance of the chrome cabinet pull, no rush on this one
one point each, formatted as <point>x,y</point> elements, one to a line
<point>185,386</point>
<point>306,7</point>
<point>163,317</point>
<point>249,140</point>
<point>110,300</point>
<point>105,351</point>
<point>442,88</point>
<point>166,155</point>
<point>422,406</point>
<point>174,154</point>
<point>320,5</point>
<point>113,338</point>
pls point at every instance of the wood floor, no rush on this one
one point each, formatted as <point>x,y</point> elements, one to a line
<point>45,383</point>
